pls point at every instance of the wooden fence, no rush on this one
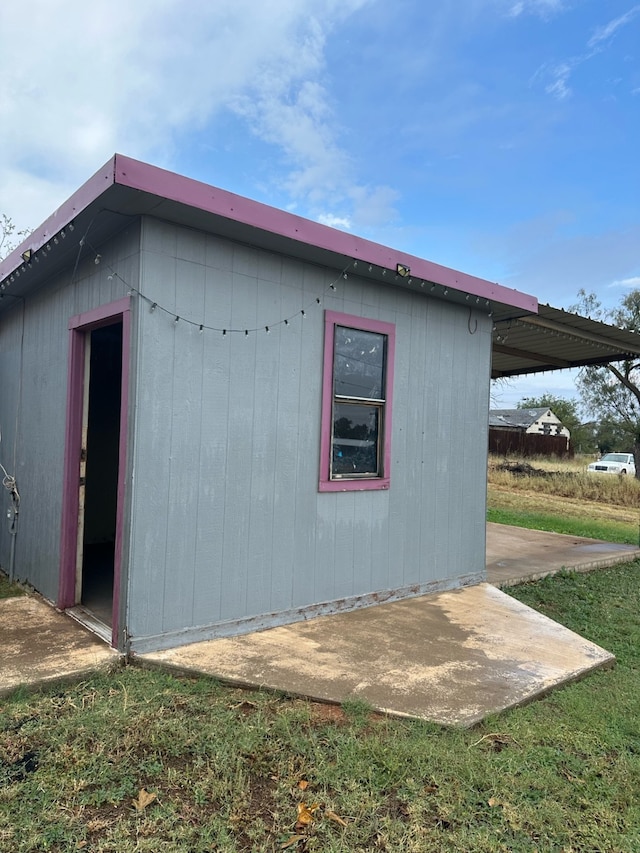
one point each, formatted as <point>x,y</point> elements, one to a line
<point>516,442</point>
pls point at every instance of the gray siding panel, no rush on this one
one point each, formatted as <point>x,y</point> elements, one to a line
<point>33,373</point>
<point>234,531</point>
<point>226,528</point>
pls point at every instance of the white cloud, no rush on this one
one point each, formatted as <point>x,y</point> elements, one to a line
<point>542,8</point>
<point>556,78</point>
<point>608,30</point>
<point>559,87</point>
<point>632,282</point>
<point>374,206</point>
<point>342,222</point>
<point>114,76</point>
<point>561,72</point>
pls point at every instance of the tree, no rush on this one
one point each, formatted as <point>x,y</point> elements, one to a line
<point>567,412</point>
<point>611,392</point>
<point>9,237</point>
<point>610,437</point>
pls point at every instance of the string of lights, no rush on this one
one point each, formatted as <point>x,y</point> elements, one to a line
<point>201,326</point>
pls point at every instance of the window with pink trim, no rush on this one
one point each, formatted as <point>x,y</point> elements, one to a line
<point>355,452</point>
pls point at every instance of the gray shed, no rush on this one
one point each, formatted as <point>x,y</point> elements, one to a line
<point>219,416</point>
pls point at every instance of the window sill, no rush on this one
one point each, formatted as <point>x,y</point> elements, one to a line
<point>358,485</point>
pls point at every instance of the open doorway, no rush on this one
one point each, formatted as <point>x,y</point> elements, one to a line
<point>94,470</point>
<point>99,480</point>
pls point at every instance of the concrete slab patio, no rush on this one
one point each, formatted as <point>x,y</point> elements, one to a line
<point>515,554</point>
<point>38,645</point>
<point>452,657</point>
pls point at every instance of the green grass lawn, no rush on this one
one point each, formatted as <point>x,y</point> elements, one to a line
<point>228,770</point>
<point>592,528</point>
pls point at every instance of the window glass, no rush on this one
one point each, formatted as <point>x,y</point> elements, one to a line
<point>357,391</point>
<point>358,367</point>
<point>355,439</point>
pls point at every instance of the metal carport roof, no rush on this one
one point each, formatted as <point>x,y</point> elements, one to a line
<point>554,339</point>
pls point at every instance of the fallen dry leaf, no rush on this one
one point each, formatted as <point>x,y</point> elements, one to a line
<point>305,816</point>
<point>493,802</point>
<point>143,799</point>
<point>333,816</point>
<point>291,841</point>
<point>303,784</point>
<point>305,812</point>
<point>497,740</point>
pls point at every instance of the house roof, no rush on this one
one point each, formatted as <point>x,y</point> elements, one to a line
<point>527,337</point>
<point>515,418</point>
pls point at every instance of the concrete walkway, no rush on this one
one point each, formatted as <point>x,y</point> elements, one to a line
<point>452,657</point>
<point>38,644</point>
<point>516,555</point>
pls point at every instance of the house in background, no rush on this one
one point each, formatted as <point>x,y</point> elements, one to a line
<point>221,416</point>
<point>528,432</point>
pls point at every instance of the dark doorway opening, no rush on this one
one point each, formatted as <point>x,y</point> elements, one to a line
<point>102,447</point>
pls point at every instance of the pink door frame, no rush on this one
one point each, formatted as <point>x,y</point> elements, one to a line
<point>105,315</point>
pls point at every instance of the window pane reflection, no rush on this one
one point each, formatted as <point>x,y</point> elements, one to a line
<point>358,363</point>
<point>355,439</point>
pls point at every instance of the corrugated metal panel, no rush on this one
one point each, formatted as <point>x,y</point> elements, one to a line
<point>227,430</point>
<point>555,339</point>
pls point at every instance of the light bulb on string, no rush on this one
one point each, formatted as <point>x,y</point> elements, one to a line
<point>201,326</point>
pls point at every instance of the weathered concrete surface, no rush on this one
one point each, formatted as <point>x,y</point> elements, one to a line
<point>452,657</point>
<point>38,644</point>
<point>515,554</point>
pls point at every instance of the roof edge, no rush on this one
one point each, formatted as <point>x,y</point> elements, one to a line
<point>63,215</point>
<point>157,181</point>
<point>137,175</point>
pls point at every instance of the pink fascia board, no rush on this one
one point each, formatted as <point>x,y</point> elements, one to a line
<point>151,179</point>
<point>62,216</point>
<point>137,175</point>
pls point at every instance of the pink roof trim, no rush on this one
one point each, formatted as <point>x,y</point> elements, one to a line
<point>62,216</point>
<point>141,176</point>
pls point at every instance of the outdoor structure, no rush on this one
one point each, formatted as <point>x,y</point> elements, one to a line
<point>528,431</point>
<point>217,416</point>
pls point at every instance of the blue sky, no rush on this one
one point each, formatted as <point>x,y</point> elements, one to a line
<point>499,137</point>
